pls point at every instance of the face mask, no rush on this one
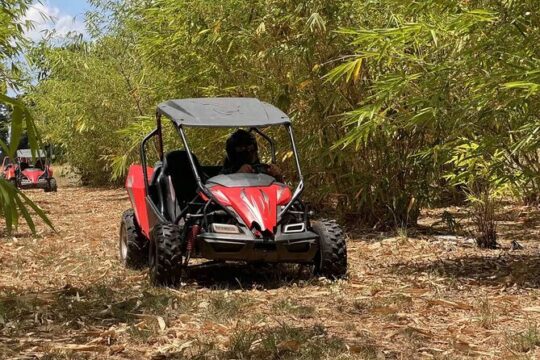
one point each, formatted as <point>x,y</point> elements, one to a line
<point>245,157</point>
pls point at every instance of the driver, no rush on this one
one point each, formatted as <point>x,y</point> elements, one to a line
<point>242,156</point>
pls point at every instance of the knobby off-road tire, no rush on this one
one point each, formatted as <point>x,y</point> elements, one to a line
<point>166,255</point>
<point>133,246</point>
<point>331,259</point>
<point>51,186</point>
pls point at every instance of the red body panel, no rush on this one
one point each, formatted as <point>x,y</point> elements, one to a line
<point>7,169</point>
<point>137,195</point>
<point>33,174</point>
<point>255,205</point>
<point>10,173</point>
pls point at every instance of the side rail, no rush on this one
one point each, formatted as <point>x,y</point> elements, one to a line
<point>300,187</point>
<point>143,156</point>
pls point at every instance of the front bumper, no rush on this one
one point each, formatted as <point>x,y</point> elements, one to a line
<point>28,184</point>
<point>293,247</point>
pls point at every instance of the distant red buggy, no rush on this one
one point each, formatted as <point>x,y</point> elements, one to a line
<point>8,170</point>
<point>27,172</point>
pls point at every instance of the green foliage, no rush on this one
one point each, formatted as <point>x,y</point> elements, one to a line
<point>12,202</point>
<point>11,38</point>
<point>436,94</point>
<point>92,92</point>
<point>276,51</point>
<point>439,98</point>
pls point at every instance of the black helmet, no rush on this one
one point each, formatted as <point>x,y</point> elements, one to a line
<point>235,159</point>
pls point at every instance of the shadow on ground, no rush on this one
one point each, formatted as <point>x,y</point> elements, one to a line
<point>77,315</point>
<point>240,276</point>
<point>519,224</point>
<point>116,301</point>
<point>508,269</point>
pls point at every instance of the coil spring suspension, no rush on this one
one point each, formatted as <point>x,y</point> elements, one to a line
<point>192,235</point>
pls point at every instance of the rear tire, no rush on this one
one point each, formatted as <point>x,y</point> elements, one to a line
<point>133,246</point>
<point>331,259</point>
<point>166,255</point>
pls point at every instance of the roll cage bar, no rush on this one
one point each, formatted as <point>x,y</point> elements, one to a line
<point>28,154</point>
<point>180,129</point>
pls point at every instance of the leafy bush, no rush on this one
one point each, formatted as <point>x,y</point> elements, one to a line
<point>13,204</point>
<point>386,96</point>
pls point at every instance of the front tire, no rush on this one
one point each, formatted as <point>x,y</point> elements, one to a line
<point>133,246</point>
<point>331,259</point>
<point>166,255</point>
<point>52,185</point>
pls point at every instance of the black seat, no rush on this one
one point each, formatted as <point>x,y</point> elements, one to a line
<point>177,172</point>
<point>176,165</point>
<point>23,165</point>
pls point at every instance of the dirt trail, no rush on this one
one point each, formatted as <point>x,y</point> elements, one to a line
<point>65,295</point>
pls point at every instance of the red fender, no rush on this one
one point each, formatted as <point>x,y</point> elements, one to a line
<point>10,173</point>
<point>137,195</point>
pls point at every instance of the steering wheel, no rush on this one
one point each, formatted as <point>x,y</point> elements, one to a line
<point>260,168</point>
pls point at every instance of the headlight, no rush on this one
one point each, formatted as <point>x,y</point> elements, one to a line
<point>224,228</point>
<point>294,228</point>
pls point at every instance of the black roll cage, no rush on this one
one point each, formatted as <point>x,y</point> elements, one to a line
<point>158,132</point>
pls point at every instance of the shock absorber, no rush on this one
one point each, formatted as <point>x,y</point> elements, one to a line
<point>192,236</point>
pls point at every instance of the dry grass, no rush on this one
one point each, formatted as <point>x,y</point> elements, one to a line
<point>64,295</point>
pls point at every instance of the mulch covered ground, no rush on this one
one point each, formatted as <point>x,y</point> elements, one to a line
<point>64,294</point>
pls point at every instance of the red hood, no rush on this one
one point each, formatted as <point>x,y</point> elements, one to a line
<point>33,174</point>
<point>257,206</point>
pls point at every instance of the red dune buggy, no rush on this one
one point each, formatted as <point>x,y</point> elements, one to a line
<point>30,172</point>
<point>182,209</point>
<point>8,170</point>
